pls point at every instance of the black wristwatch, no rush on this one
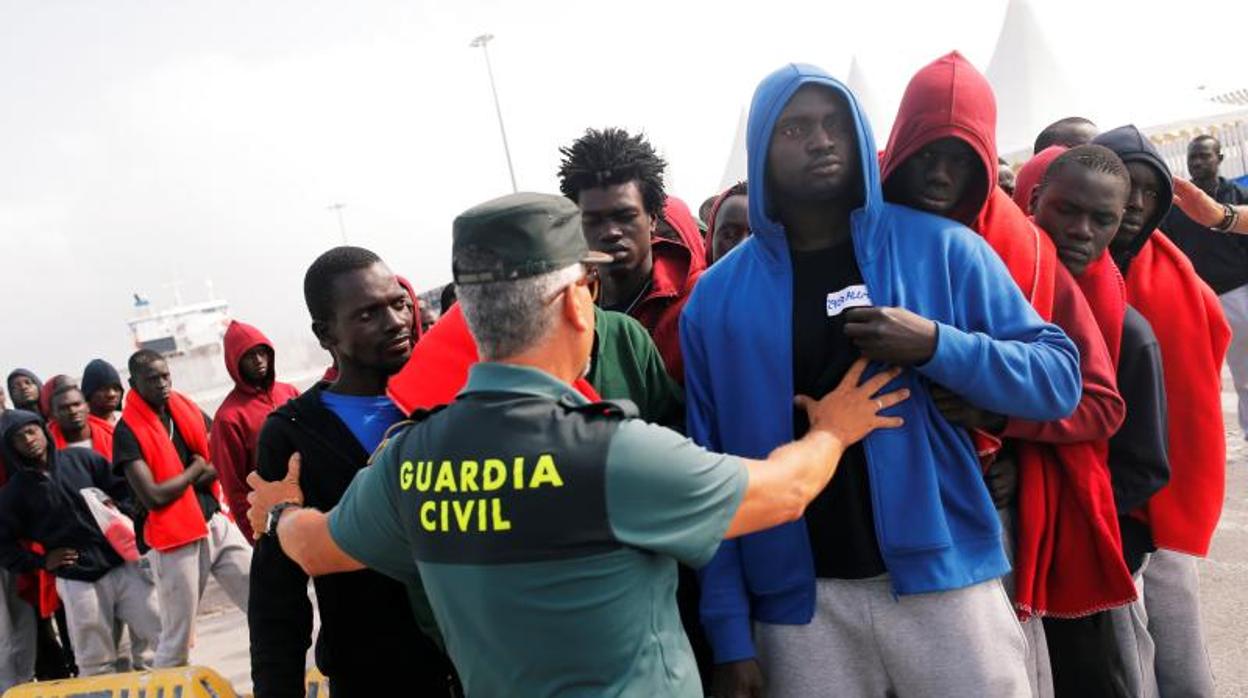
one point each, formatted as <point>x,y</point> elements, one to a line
<point>270,524</point>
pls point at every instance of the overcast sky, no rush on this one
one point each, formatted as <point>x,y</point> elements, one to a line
<point>145,143</point>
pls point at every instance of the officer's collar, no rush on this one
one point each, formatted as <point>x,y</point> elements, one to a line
<point>510,378</point>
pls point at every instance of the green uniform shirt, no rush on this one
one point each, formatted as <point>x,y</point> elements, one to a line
<point>595,625</point>
<point>627,366</point>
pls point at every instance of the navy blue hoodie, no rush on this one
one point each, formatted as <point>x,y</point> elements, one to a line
<point>45,506</point>
<point>936,525</point>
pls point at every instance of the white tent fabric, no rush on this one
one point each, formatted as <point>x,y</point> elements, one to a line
<point>1031,87</point>
<point>736,167</point>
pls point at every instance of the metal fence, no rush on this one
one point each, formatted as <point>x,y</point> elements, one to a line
<point>1230,130</point>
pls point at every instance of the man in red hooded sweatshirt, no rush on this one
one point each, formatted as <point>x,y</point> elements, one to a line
<point>249,357</point>
<point>617,181</point>
<point>1050,480</point>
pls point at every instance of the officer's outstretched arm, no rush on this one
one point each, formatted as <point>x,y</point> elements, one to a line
<point>781,486</point>
<point>304,537</point>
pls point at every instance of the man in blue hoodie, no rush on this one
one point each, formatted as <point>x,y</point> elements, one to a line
<point>890,583</point>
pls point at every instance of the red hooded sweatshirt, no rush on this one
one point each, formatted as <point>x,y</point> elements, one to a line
<point>677,265</point>
<point>1031,173</point>
<point>1068,559</point>
<point>236,426</point>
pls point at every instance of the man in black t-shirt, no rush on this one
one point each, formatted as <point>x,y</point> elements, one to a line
<point>1220,259</point>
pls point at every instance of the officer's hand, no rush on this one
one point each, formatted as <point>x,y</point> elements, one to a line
<point>961,413</point>
<point>893,336</point>
<point>60,557</point>
<point>742,679</point>
<point>265,495</point>
<point>1198,205</point>
<point>851,411</point>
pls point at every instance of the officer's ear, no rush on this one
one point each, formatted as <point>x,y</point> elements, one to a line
<point>578,308</point>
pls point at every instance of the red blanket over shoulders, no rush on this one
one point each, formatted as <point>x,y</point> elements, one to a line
<point>1193,335</point>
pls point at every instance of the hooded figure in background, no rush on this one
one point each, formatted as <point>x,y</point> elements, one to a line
<point>828,265</point>
<point>250,360</point>
<point>941,157</point>
<point>104,390</point>
<point>24,388</point>
<point>1193,335</point>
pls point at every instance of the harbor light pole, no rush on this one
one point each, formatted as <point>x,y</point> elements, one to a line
<point>482,42</point>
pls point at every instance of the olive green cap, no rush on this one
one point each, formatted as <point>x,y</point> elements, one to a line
<point>517,236</point>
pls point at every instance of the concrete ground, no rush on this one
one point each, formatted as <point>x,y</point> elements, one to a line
<point>222,629</point>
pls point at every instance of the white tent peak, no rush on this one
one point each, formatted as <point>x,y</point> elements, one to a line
<point>868,100</point>
<point>1031,87</point>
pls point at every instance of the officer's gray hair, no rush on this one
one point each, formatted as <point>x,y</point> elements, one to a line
<point>509,317</point>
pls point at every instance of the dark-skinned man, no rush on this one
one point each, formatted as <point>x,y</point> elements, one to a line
<point>369,641</point>
<point>1079,204</point>
<point>43,503</point>
<point>1220,258</point>
<point>898,562</point>
<point>74,425</point>
<point>729,222</point>
<point>24,388</point>
<point>1193,335</point>
<point>1047,477</point>
<point>250,362</point>
<point>617,181</point>
<point>1067,132</point>
<point>101,384</point>
<point>586,510</point>
<point>161,445</point>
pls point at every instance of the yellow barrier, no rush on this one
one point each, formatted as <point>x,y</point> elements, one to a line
<point>316,683</point>
<point>182,682</point>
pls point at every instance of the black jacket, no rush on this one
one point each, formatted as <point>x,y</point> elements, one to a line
<point>369,641</point>
<point>1221,259</point>
<point>1139,464</point>
<point>46,506</point>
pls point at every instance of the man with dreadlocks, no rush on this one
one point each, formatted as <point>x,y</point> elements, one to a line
<point>617,180</point>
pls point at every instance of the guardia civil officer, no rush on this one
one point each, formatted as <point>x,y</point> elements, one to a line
<point>546,529</point>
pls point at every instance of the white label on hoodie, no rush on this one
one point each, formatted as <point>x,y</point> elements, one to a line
<point>849,297</point>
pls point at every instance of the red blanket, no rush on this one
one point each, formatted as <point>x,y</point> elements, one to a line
<point>1068,554</point>
<point>438,367</point>
<point>1193,334</point>
<point>101,436</point>
<point>182,521</point>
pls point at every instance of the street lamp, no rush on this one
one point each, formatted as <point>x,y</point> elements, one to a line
<point>342,228</point>
<point>482,42</point>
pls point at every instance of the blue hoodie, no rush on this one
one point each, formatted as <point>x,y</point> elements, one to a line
<point>934,520</point>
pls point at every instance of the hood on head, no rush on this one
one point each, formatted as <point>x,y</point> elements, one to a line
<point>770,99</point>
<point>1133,146</point>
<point>100,374</point>
<point>677,215</point>
<point>11,421</point>
<point>948,98</point>
<point>1032,173</point>
<point>411,293</point>
<point>241,338</point>
<point>50,388</point>
<point>8,383</point>
<point>720,198</point>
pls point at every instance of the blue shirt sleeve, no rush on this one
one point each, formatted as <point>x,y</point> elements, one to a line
<point>1004,358</point>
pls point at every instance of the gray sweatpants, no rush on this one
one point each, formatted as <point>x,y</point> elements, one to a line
<point>182,575</point>
<point>1039,670</point>
<point>1135,644</point>
<point>864,641</point>
<point>1172,600</point>
<point>91,608</point>
<point>17,635</point>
